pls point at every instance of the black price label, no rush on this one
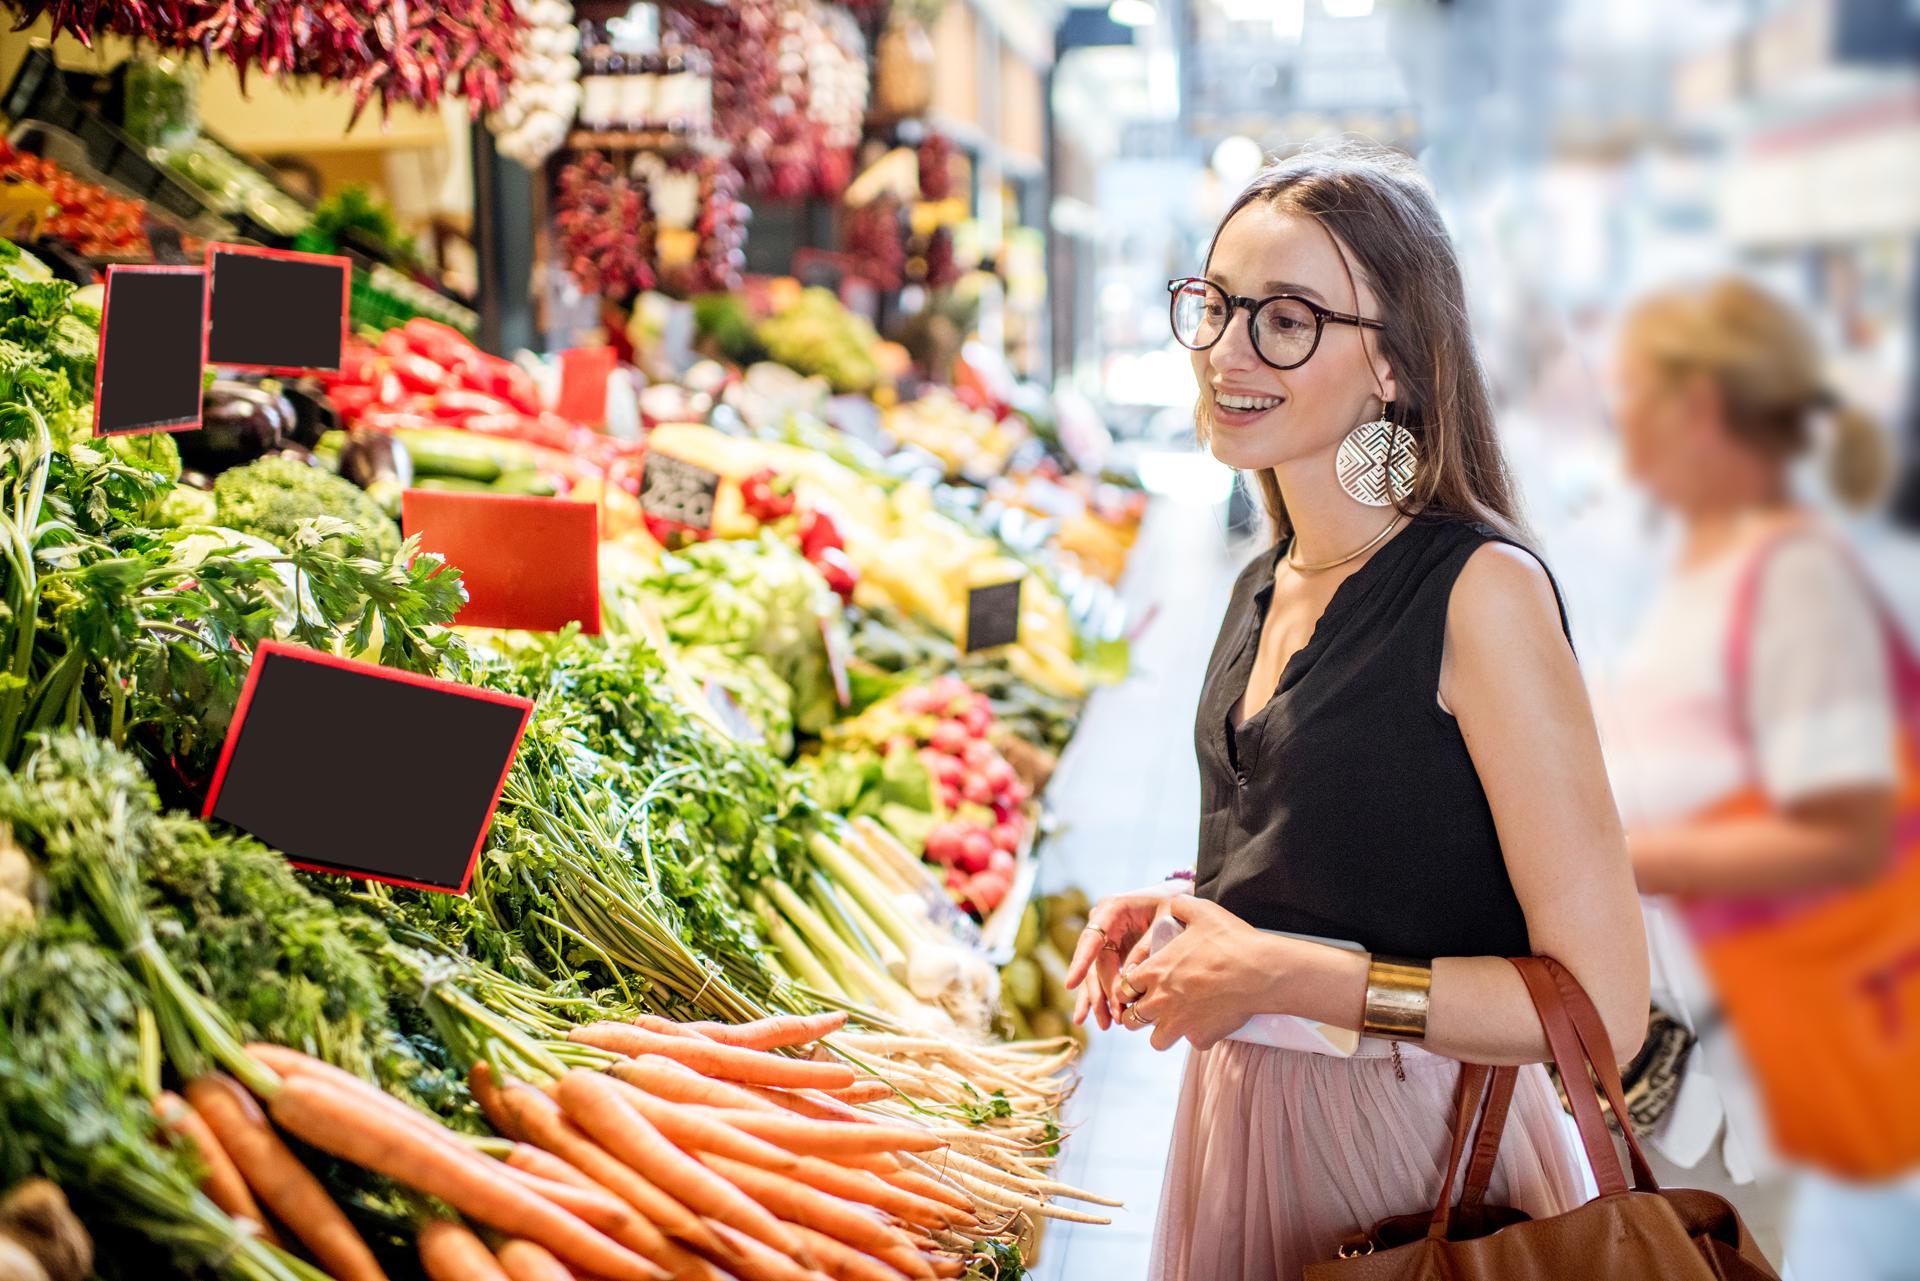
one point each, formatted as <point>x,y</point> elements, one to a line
<point>993,616</point>
<point>424,762</point>
<point>676,491</point>
<point>276,310</point>
<point>153,344</point>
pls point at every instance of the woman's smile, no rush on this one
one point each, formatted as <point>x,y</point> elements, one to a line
<point>1243,409</point>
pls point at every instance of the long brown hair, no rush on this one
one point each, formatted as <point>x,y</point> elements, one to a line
<point>1767,365</point>
<point>1381,214</point>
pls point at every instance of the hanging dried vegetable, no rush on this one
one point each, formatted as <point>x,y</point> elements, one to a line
<point>414,54</point>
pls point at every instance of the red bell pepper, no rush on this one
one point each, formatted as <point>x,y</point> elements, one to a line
<point>352,398</point>
<point>417,373</point>
<point>818,533</point>
<point>457,403</point>
<point>378,418</point>
<point>442,344</point>
<point>838,571</point>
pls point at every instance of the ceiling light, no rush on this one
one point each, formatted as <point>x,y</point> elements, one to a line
<point>1132,13</point>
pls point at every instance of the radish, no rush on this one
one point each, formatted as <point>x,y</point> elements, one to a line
<point>950,737</point>
<point>1000,776</point>
<point>950,796</point>
<point>977,790</point>
<point>976,851</point>
<point>1001,863</point>
<point>977,752</point>
<point>1006,837</point>
<point>978,721</point>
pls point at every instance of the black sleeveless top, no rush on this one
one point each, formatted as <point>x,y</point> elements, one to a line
<point>1348,807</point>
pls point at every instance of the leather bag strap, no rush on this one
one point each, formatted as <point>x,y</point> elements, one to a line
<point>1578,1039</point>
<point>1486,1147</point>
<point>1473,1086</point>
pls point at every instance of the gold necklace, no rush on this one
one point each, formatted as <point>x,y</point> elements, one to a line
<point>1356,553</point>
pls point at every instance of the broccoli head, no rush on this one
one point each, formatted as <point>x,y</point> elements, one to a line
<point>272,497</point>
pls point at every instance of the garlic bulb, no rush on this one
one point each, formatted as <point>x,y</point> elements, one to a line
<point>545,94</point>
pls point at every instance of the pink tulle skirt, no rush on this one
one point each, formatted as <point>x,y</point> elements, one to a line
<point>1279,1156</point>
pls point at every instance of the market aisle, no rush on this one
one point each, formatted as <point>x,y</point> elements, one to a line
<point>1128,793</point>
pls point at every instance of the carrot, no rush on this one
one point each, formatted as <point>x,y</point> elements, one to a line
<point>594,1103</point>
<point>524,1260</point>
<point>844,1263</point>
<point>529,1159</point>
<point>486,1092</point>
<point>599,1209</point>
<point>930,1188</point>
<point>665,1027</point>
<point>293,1064</point>
<point>705,1130</point>
<point>871,1189</point>
<point>641,1236</point>
<point>727,1062</point>
<point>772,1034</point>
<point>797,1203</point>
<point>677,1083</point>
<point>276,1176</point>
<point>223,1185</point>
<point>322,1114</point>
<point>829,1138</point>
<point>545,1125</point>
<point>948,1267</point>
<point>757,1263</point>
<point>449,1252</point>
<point>811,1104</point>
<point>868,1090</point>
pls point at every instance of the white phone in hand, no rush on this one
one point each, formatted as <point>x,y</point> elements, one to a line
<point>1281,1031</point>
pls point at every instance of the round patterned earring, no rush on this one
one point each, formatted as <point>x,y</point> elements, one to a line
<point>1376,462</point>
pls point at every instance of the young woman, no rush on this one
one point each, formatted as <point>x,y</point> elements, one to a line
<point>1395,749</point>
<point>1756,796</point>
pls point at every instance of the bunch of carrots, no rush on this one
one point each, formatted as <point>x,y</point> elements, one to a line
<point>780,1150</point>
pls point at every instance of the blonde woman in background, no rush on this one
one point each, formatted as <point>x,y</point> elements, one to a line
<point>1762,670</point>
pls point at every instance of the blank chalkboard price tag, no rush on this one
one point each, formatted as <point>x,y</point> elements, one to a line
<point>153,345</point>
<point>993,616</point>
<point>676,491</point>
<point>275,310</point>
<point>416,767</point>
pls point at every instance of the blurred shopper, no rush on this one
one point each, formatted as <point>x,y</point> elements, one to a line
<point>1396,750</point>
<point>1761,742</point>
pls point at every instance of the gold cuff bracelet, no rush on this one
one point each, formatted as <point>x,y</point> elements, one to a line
<point>1398,992</point>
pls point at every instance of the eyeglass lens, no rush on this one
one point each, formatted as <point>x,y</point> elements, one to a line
<point>1283,331</point>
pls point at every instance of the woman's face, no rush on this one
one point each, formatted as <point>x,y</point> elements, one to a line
<point>1665,432</point>
<point>1264,417</point>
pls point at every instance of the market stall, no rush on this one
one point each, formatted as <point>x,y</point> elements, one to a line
<point>720,992</point>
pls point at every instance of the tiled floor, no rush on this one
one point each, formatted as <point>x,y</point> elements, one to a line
<point>1128,796</point>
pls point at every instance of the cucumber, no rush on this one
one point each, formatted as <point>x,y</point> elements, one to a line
<point>528,481</point>
<point>447,454</point>
<point>453,485</point>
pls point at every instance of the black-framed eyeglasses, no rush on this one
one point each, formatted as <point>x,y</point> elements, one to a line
<point>1285,328</point>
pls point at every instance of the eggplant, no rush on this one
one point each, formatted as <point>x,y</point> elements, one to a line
<point>239,422</point>
<point>378,463</point>
<point>313,414</point>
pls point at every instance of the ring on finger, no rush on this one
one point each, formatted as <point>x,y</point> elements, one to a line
<point>1106,943</point>
<point>1132,993</point>
<point>1139,1019</point>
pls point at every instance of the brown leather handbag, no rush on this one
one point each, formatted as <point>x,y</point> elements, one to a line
<point>1634,1232</point>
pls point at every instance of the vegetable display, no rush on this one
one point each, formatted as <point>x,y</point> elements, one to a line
<point>697,1016</point>
<point>90,218</point>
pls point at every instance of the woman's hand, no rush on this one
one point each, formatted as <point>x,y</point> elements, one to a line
<point>1206,983</point>
<point>1116,934</point>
